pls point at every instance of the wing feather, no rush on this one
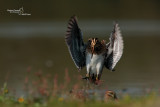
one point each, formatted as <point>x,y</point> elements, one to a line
<point>74,41</point>
<point>114,48</point>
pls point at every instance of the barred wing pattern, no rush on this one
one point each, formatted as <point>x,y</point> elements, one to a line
<point>114,48</point>
<point>75,43</point>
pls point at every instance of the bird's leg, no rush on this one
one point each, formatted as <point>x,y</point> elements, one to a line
<point>98,71</point>
<point>88,72</point>
<point>87,75</point>
<point>97,77</point>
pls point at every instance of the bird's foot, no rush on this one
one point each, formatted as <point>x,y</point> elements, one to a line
<point>97,78</point>
<point>86,77</point>
<point>99,82</point>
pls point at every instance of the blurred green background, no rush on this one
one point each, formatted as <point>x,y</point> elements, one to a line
<point>37,41</point>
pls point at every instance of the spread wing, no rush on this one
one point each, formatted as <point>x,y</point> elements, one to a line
<point>75,43</point>
<point>114,48</point>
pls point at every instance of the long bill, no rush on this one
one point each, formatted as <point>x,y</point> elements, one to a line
<point>93,43</point>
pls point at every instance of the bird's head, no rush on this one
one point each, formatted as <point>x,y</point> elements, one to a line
<point>110,96</point>
<point>95,46</point>
<point>93,42</point>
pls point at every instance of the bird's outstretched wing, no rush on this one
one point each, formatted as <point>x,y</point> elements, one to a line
<point>114,48</point>
<point>75,43</point>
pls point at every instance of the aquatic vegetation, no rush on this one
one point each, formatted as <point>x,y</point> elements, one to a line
<point>43,90</point>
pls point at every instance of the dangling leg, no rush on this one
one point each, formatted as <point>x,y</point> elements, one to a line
<point>88,73</point>
<point>99,70</point>
<point>97,79</point>
<point>97,76</point>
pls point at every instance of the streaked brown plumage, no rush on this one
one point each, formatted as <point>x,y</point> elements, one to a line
<point>94,46</point>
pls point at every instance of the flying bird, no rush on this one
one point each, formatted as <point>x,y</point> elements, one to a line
<point>94,54</point>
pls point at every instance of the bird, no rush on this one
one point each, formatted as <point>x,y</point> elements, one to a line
<point>110,96</point>
<point>94,54</point>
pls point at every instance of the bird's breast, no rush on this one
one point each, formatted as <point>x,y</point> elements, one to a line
<point>94,61</point>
